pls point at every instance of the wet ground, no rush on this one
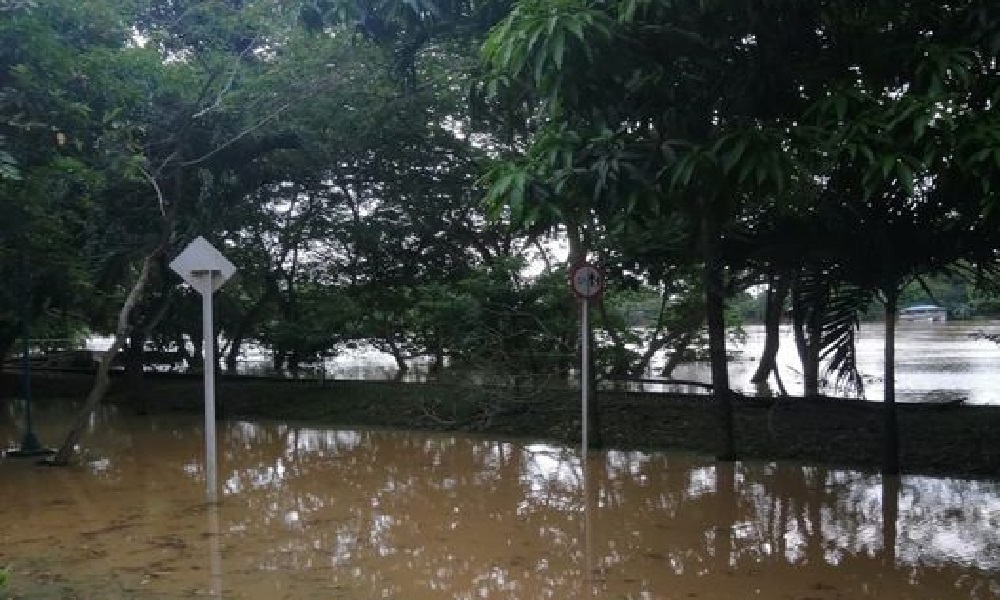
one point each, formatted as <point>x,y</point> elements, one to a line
<point>310,512</point>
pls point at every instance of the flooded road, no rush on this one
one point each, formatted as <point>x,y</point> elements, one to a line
<point>317,513</point>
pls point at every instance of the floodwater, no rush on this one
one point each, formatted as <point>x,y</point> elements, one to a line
<point>934,362</point>
<point>345,514</point>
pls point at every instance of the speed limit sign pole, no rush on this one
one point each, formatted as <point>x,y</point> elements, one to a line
<point>587,282</point>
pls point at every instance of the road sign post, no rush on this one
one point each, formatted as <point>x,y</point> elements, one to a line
<point>587,282</point>
<point>205,269</point>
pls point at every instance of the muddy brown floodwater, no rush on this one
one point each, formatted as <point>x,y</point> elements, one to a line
<point>344,514</point>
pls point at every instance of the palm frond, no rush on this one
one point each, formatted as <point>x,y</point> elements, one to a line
<point>834,307</point>
<point>838,340</point>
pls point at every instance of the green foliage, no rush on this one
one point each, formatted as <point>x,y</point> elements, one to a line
<point>331,148</point>
<point>958,294</point>
<point>773,133</point>
<point>746,307</point>
<point>519,327</point>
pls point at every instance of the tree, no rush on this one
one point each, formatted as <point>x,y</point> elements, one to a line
<point>182,135</point>
<point>718,109</point>
<point>900,143</point>
<point>630,131</point>
<point>48,174</point>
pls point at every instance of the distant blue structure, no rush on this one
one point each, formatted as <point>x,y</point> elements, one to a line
<point>924,312</point>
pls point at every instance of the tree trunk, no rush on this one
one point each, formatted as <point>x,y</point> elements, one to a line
<point>134,365</point>
<point>397,355</point>
<point>233,356</point>
<point>806,327</point>
<point>677,355</point>
<point>807,356</point>
<point>182,352</point>
<point>890,514</point>
<point>715,306</point>
<point>890,429</point>
<point>293,363</point>
<point>777,292</point>
<point>7,339</point>
<point>102,381</point>
<point>437,365</point>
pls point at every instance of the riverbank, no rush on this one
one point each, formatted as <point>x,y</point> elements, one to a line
<point>947,440</point>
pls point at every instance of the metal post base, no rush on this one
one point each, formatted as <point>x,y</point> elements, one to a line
<point>30,446</point>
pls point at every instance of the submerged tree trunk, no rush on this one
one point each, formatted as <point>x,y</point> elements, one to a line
<point>808,356</point>
<point>7,339</point>
<point>182,351</point>
<point>233,355</point>
<point>715,307</point>
<point>677,355</point>
<point>777,292</point>
<point>807,328</point>
<point>135,360</point>
<point>294,363</point>
<point>397,355</point>
<point>102,380</point>
<point>890,429</point>
<point>437,366</point>
<point>890,514</point>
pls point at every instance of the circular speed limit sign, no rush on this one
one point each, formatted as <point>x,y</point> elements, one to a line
<point>587,280</point>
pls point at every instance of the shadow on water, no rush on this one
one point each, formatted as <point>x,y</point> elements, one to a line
<point>315,513</point>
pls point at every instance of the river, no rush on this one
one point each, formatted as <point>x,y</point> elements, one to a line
<point>309,512</point>
<point>934,362</point>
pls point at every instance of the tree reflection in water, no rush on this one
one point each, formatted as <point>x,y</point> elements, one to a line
<point>375,514</point>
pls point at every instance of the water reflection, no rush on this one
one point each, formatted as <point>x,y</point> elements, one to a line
<point>313,513</point>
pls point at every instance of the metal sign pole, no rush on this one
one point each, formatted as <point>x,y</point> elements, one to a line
<point>205,269</point>
<point>584,373</point>
<point>584,443</point>
<point>208,351</point>
<point>587,282</point>
<point>215,550</point>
